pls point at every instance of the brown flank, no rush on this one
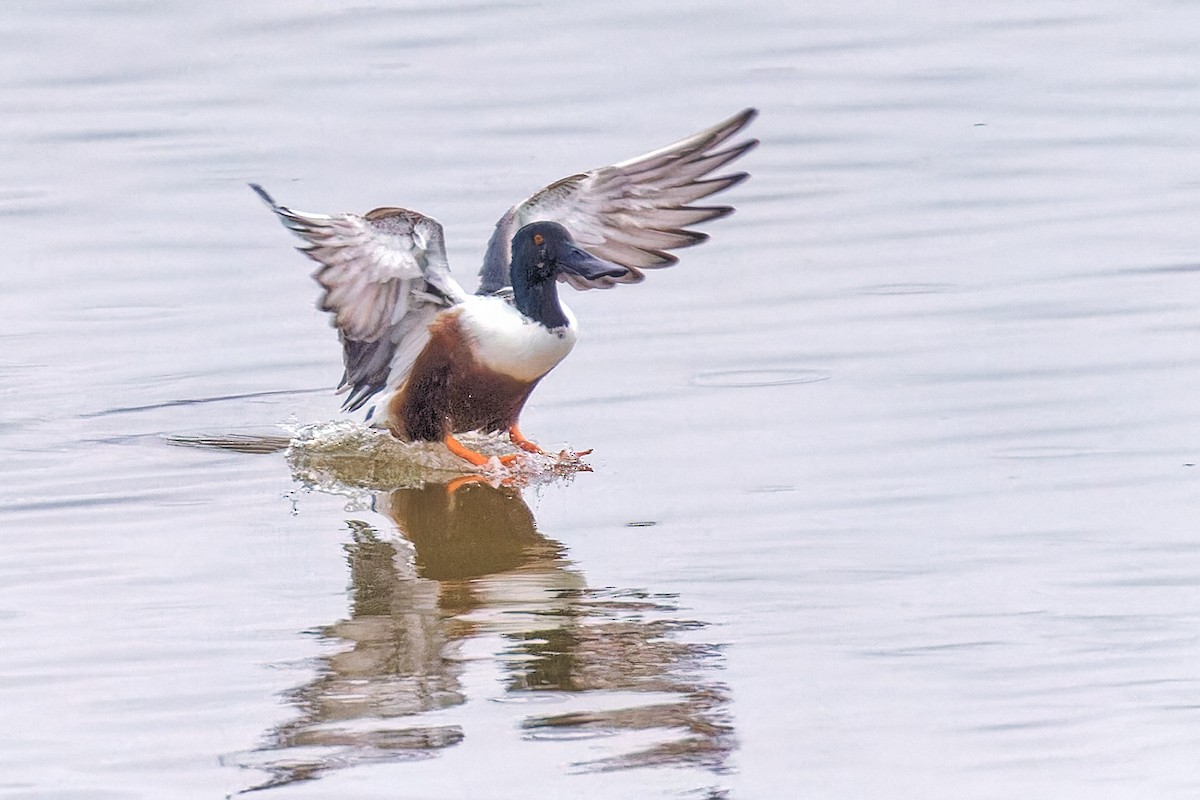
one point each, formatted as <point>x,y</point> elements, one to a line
<point>448,391</point>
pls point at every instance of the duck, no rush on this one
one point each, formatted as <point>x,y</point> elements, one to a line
<point>429,361</point>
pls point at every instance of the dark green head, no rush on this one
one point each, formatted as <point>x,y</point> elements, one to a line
<point>541,251</point>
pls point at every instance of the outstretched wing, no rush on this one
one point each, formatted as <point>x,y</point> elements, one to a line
<point>630,213</point>
<point>385,277</point>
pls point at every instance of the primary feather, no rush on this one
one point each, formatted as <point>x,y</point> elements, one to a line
<point>632,212</point>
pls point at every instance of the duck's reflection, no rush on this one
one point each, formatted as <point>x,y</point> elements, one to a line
<point>472,584</point>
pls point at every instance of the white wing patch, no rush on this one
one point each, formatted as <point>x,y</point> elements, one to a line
<point>512,344</point>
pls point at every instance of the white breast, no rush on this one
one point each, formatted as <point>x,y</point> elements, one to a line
<point>508,342</point>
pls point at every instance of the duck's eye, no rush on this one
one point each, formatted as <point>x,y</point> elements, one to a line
<point>538,238</point>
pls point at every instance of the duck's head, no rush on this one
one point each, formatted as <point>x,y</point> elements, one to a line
<point>541,252</point>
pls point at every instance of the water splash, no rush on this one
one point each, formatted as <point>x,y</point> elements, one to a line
<point>330,456</point>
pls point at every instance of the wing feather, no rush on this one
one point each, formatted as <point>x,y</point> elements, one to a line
<point>634,211</point>
<point>385,277</point>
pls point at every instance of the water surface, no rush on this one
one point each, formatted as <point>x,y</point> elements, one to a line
<point>894,481</point>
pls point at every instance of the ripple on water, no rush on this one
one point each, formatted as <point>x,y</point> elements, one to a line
<point>569,734</point>
<point>1046,452</point>
<point>530,698</point>
<point>906,288</point>
<point>751,378</point>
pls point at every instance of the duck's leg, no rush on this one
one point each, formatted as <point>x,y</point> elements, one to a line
<point>518,438</point>
<point>478,459</point>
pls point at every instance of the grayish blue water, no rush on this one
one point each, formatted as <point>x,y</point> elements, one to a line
<point>895,488</point>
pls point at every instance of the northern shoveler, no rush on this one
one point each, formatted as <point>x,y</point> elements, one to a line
<point>437,361</point>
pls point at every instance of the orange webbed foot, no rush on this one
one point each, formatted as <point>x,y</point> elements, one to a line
<point>474,457</point>
<point>518,438</point>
